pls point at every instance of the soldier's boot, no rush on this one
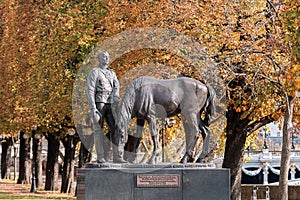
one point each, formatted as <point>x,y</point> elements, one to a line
<point>98,139</point>
<point>100,154</point>
<point>118,152</point>
<point>107,144</point>
<point>101,160</point>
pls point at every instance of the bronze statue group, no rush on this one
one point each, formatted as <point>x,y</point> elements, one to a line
<point>146,99</point>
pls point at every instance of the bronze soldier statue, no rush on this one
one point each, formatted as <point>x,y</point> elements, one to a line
<point>102,89</point>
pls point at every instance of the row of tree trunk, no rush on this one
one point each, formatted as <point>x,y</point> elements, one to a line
<point>34,167</point>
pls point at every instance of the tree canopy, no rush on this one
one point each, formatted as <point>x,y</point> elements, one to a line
<point>254,46</point>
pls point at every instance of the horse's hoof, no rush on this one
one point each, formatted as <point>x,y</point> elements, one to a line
<point>154,155</point>
<point>183,160</point>
<point>151,161</point>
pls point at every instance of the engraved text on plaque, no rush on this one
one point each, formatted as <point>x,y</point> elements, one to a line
<point>157,180</point>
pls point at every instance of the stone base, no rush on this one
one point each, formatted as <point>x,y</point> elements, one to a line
<point>110,181</point>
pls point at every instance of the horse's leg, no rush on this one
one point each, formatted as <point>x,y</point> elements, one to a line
<point>152,127</point>
<point>189,152</point>
<point>206,138</point>
<point>136,140</point>
<point>191,135</point>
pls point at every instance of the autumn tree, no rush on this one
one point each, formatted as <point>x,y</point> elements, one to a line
<point>289,83</point>
<point>244,38</point>
<point>256,59</point>
<point>67,35</point>
<point>43,44</point>
<point>17,114</point>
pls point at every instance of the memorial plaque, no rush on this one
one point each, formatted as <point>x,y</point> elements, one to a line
<point>158,180</point>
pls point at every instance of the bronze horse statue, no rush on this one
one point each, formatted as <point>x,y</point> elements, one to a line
<point>147,98</point>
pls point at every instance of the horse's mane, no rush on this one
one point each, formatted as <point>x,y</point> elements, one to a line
<point>127,104</point>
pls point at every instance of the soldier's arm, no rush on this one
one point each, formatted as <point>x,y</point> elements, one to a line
<point>91,89</point>
<point>116,88</point>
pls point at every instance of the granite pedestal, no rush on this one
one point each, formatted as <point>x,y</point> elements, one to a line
<point>167,181</point>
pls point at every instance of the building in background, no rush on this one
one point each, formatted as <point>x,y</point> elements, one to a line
<point>263,166</point>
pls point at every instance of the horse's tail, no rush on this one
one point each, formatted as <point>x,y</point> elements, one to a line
<point>210,105</point>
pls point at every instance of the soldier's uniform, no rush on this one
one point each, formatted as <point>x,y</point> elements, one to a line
<point>102,88</point>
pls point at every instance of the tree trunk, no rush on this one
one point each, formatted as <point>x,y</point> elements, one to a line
<point>15,160</point>
<point>37,158</point>
<point>84,155</point>
<point>86,146</point>
<point>52,163</point>
<point>24,160</point>
<point>286,149</point>
<point>69,163</point>
<point>8,158</point>
<point>6,147</point>
<point>234,150</point>
<point>233,159</point>
<point>38,163</point>
<point>56,175</point>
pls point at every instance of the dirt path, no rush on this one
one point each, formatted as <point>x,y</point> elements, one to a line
<point>24,190</point>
